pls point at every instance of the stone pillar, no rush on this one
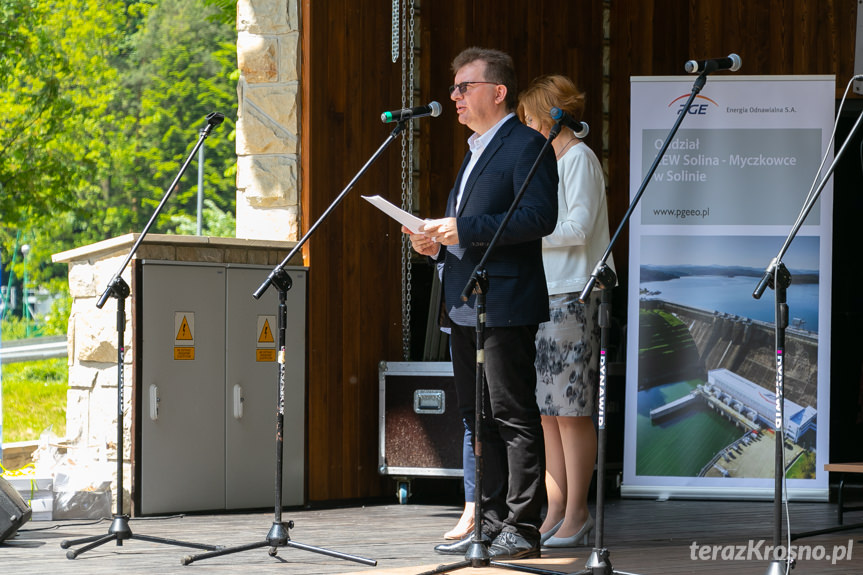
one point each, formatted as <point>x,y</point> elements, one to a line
<point>268,119</point>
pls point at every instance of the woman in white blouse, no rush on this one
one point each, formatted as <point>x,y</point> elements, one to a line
<point>567,361</point>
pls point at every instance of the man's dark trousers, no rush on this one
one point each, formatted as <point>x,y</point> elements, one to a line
<point>513,453</point>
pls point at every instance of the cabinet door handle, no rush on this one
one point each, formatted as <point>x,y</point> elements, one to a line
<point>238,401</point>
<point>154,402</point>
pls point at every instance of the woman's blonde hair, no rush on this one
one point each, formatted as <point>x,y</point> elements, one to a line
<point>547,92</point>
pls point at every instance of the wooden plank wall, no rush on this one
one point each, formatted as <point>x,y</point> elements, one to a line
<point>354,278</point>
<point>542,37</point>
<point>349,79</point>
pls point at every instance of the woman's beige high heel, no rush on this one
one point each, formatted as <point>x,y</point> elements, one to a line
<point>464,525</point>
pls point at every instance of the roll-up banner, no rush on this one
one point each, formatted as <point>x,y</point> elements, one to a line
<point>701,350</point>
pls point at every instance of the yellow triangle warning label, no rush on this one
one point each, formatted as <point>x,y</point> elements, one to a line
<point>184,333</point>
<point>266,334</point>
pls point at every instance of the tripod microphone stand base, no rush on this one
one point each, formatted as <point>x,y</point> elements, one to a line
<point>780,566</point>
<point>599,564</point>
<point>278,536</point>
<point>477,556</point>
<point>119,532</point>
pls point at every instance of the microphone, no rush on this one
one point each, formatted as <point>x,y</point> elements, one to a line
<point>215,118</point>
<point>732,62</point>
<point>432,109</point>
<point>580,128</point>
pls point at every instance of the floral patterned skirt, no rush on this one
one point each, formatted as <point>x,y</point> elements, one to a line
<point>567,356</point>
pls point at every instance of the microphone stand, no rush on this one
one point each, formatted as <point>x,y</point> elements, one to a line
<point>119,289</point>
<point>777,277</point>
<point>477,555</point>
<point>599,562</point>
<point>279,533</point>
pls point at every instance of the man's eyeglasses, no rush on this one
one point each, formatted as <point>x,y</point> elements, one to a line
<point>462,87</point>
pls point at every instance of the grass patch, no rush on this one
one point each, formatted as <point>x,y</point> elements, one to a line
<point>34,397</point>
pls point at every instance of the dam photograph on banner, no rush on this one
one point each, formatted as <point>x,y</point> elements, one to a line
<point>701,371</point>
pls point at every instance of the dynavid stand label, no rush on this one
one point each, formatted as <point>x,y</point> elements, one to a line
<point>184,338</point>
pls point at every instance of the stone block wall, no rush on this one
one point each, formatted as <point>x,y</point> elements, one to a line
<point>268,120</point>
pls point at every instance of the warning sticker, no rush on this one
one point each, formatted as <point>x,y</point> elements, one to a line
<point>265,346</point>
<point>184,335</point>
<point>184,353</point>
<point>184,328</point>
<point>265,355</point>
<point>265,332</point>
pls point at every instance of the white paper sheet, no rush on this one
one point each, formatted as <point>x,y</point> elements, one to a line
<point>410,221</point>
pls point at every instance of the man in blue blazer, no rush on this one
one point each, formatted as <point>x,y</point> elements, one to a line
<point>502,151</point>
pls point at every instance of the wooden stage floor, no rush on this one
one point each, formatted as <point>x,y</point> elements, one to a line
<point>644,537</point>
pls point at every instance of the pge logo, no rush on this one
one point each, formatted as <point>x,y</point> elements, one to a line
<point>698,107</point>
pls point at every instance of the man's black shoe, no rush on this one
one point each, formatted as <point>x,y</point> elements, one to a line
<point>513,546</point>
<point>459,547</point>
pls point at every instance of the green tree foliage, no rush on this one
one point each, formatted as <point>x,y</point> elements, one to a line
<point>226,11</point>
<point>181,67</point>
<point>101,101</point>
<point>55,92</point>
<point>219,223</point>
<point>56,84</point>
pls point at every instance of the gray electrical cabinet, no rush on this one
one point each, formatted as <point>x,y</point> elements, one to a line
<point>207,388</point>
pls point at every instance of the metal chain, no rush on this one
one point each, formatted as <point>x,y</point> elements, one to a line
<point>405,245</point>
<point>394,42</point>
<point>411,140</point>
<point>407,166</point>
